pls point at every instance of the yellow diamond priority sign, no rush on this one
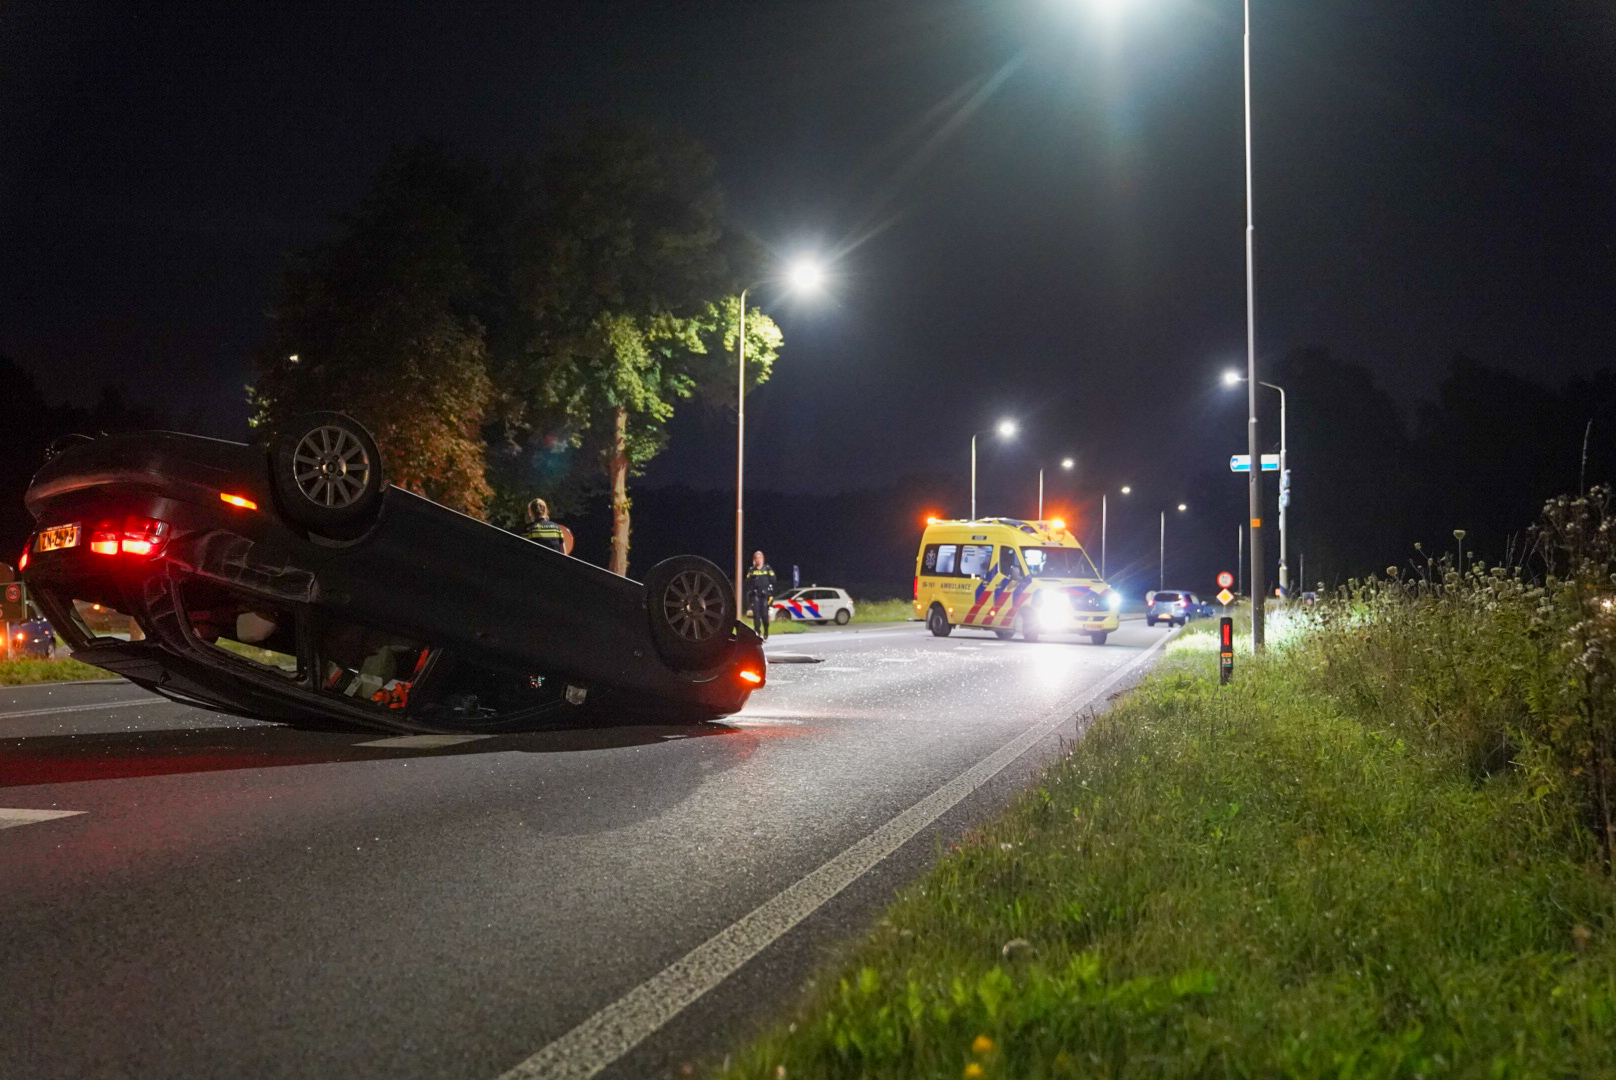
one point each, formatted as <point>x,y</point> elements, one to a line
<point>1225,597</point>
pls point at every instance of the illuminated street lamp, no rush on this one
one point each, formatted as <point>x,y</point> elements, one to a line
<point>1126,490</point>
<point>804,275</point>
<point>1234,378</point>
<point>1005,429</point>
<point>1066,463</point>
<point>1254,482</point>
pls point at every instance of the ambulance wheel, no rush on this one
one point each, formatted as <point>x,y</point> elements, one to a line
<point>843,617</point>
<point>1098,637</point>
<point>1004,635</point>
<point>937,622</point>
<point>691,610</point>
<point>1028,632</point>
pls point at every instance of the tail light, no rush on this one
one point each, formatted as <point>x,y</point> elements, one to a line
<point>141,537</point>
<point>917,588</point>
<point>22,560</point>
<point>751,676</point>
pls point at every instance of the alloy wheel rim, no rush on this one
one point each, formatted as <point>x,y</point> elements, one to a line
<point>693,604</point>
<point>331,467</point>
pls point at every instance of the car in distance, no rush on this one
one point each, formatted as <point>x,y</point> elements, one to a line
<point>1175,607</point>
<point>816,603</point>
<point>31,640</point>
<point>1010,577</point>
<point>291,583</point>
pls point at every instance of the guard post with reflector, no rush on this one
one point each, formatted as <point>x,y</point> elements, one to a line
<point>1225,650</point>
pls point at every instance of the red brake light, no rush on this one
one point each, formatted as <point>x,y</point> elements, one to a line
<point>143,536</point>
<point>917,588</point>
<point>751,677</point>
<point>22,560</point>
<point>238,500</point>
<point>104,541</point>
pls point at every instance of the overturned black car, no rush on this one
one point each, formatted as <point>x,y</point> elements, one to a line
<point>291,584</point>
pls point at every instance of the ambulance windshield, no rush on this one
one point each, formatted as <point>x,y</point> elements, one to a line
<point>1058,562</point>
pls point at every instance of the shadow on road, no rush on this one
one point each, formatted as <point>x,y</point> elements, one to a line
<point>66,759</point>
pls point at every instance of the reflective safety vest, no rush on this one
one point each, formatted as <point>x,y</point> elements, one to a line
<point>760,580</point>
<point>546,532</point>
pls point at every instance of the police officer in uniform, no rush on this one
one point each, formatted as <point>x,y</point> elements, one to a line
<point>760,593</point>
<point>540,529</point>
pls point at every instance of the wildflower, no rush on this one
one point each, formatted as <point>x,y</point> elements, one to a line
<point>982,1045</point>
<point>972,1071</point>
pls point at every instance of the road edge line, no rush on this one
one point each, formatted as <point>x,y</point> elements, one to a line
<point>614,1030</point>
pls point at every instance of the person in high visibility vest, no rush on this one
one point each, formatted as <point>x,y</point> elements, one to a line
<point>540,529</point>
<point>760,593</point>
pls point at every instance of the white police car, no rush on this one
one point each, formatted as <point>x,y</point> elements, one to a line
<point>815,603</point>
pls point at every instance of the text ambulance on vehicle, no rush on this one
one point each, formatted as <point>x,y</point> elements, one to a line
<point>1008,576</point>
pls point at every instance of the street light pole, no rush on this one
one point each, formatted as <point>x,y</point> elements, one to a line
<point>740,447</point>
<point>1067,464</point>
<point>1253,443</point>
<point>1284,494</point>
<point>1161,579</point>
<point>973,476</point>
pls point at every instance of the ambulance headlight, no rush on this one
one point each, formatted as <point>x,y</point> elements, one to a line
<point>1114,600</point>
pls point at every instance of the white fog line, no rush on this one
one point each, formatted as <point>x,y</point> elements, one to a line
<point>85,708</point>
<point>11,817</point>
<point>898,659</point>
<point>619,1027</point>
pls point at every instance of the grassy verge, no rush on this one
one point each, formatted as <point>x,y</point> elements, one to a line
<point>1321,870</point>
<point>27,672</point>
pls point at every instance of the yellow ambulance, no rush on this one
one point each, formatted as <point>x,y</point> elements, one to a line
<point>1008,576</point>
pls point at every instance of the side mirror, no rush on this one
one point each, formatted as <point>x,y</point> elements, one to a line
<point>1014,572</point>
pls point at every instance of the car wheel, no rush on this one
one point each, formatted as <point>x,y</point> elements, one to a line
<point>691,609</point>
<point>843,617</point>
<point>1028,632</point>
<point>937,622</point>
<point>1004,635</point>
<point>327,474</point>
<point>1098,637</point>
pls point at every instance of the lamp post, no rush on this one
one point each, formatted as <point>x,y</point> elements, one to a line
<point>1253,442</point>
<point>1231,378</point>
<point>1126,490</point>
<point>1005,429</point>
<point>804,275</point>
<point>1066,463</point>
<point>1161,573</point>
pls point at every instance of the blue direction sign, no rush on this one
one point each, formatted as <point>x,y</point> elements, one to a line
<point>1242,463</point>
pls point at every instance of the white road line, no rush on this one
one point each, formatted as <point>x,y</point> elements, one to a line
<point>619,1027</point>
<point>10,817</point>
<point>828,668</point>
<point>897,659</point>
<point>422,742</point>
<point>86,708</point>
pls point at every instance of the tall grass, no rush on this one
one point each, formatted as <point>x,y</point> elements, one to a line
<point>1381,852</point>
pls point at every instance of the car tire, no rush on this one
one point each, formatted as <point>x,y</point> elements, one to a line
<point>937,622</point>
<point>843,617</point>
<point>1029,633</point>
<point>1098,637</point>
<point>327,474</point>
<point>691,609</point>
<point>1004,635</point>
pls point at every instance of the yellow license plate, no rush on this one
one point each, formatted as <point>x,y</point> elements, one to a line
<point>57,537</point>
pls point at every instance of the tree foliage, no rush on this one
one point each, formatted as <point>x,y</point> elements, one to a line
<point>381,322</point>
<point>520,331</point>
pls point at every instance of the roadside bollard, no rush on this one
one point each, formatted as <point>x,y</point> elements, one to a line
<point>1225,650</point>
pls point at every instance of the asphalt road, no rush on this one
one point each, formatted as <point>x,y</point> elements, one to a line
<point>223,898</point>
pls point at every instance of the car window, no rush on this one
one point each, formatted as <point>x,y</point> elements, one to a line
<point>1007,559</point>
<point>947,558</point>
<point>247,627</point>
<point>976,559</point>
<point>370,665</point>
<point>1058,562</point>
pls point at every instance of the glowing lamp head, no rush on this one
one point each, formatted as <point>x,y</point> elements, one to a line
<point>1182,507</point>
<point>1126,490</point>
<point>1006,429</point>
<point>1233,378</point>
<point>806,276</point>
<point>1068,463</point>
<point>934,519</point>
<point>1058,525</point>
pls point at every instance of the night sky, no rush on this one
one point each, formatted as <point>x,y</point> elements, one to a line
<point>1035,206</point>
